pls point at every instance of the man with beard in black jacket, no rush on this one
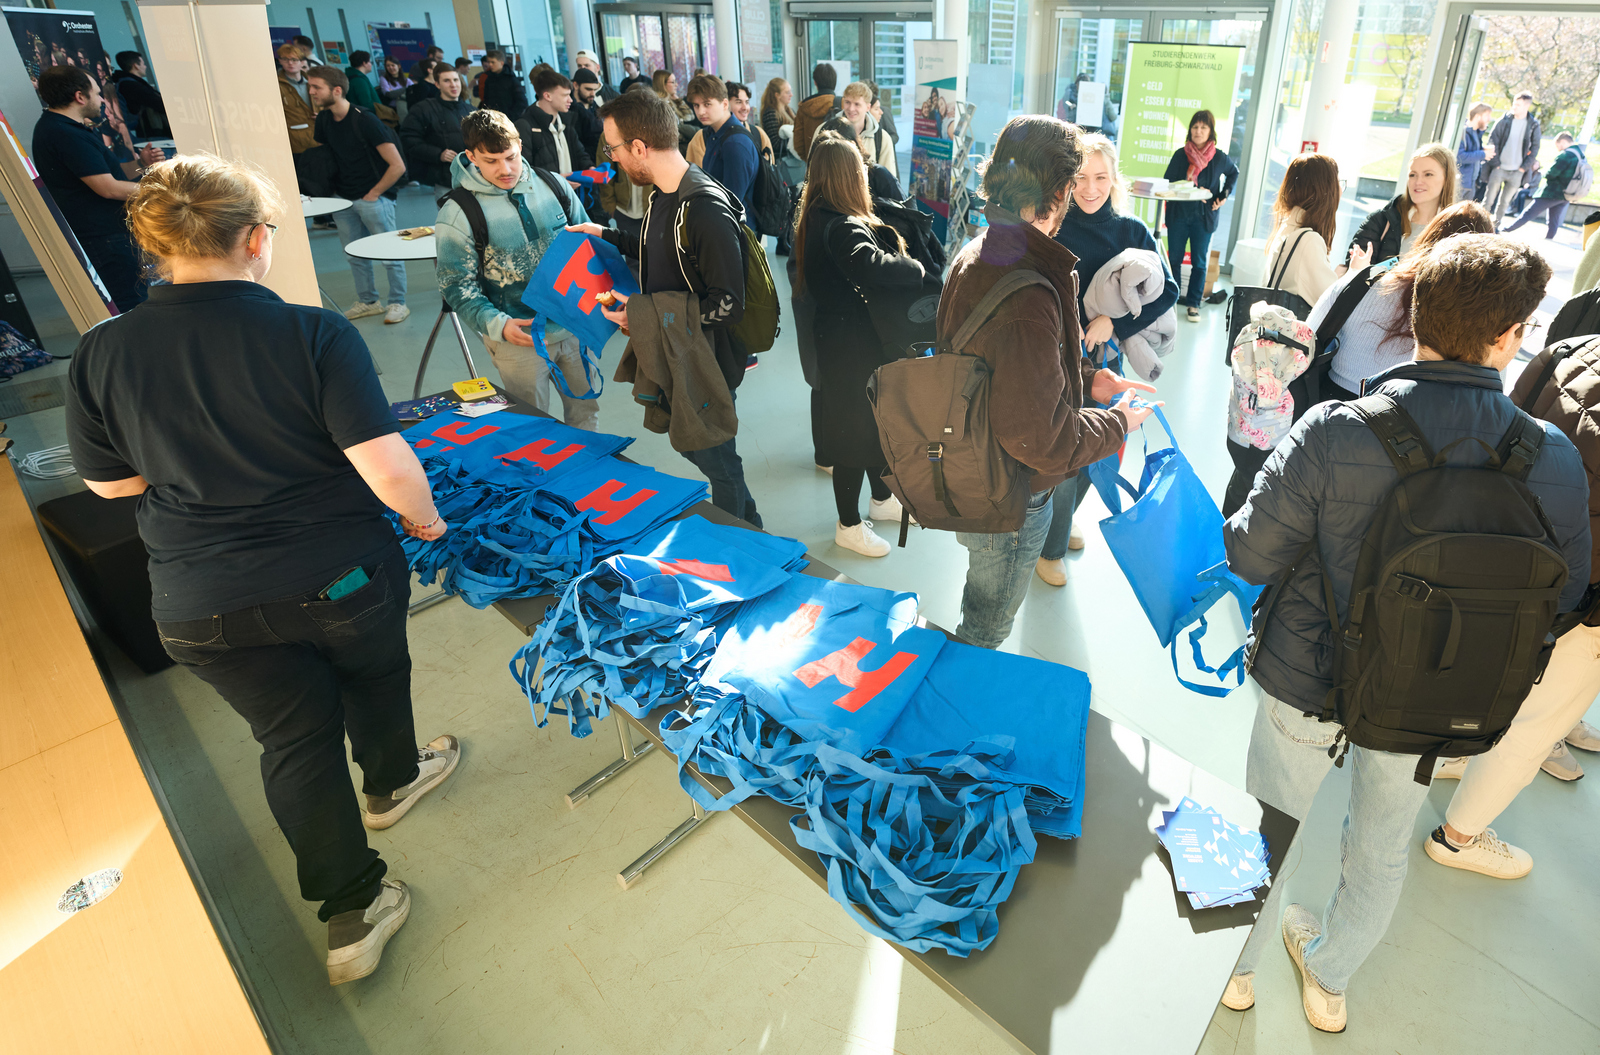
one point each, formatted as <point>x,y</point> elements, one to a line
<point>431,133</point>
<point>641,135</point>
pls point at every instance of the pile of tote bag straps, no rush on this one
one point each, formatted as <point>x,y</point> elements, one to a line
<point>922,768</point>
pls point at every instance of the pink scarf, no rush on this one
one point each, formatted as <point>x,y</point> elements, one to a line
<point>1198,158</point>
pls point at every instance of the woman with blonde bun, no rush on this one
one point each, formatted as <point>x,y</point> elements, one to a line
<point>263,452</point>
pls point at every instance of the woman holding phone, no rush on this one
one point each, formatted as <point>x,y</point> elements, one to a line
<point>275,576</point>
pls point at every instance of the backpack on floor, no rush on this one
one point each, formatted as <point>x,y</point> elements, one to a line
<point>1453,599</point>
<point>934,423</point>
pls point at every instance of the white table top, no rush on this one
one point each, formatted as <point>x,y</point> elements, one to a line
<point>1200,195</point>
<point>388,245</point>
<point>323,206</point>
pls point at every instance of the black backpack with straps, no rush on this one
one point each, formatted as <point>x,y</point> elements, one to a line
<point>467,202</point>
<point>1453,598</point>
<point>768,205</point>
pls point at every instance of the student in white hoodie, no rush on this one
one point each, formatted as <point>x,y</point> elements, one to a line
<point>876,143</point>
<point>1306,211</point>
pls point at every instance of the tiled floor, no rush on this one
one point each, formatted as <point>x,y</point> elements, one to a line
<point>521,940</point>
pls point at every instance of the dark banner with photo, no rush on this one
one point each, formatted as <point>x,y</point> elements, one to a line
<point>48,38</point>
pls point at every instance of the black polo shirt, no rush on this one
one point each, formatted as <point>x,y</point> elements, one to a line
<point>236,408</point>
<point>65,150</point>
<point>355,142</point>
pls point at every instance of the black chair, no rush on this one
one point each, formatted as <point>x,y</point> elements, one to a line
<point>99,545</point>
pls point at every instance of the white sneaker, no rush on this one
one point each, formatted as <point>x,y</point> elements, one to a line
<point>1561,764</point>
<point>887,511</point>
<point>1053,572</point>
<point>1323,1009</point>
<point>1584,736</point>
<point>356,938</point>
<point>1241,992</point>
<point>397,313</point>
<point>1486,853</point>
<point>434,763</point>
<point>861,538</point>
<point>1451,768</point>
<point>1075,537</point>
<point>363,309</point>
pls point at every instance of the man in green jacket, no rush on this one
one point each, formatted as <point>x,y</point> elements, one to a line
<point>362,91</point>
<point>523,213</point>
<point>1552,202</point>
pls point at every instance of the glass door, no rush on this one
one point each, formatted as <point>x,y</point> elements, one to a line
<point>683,48</point>
<point>1244,32</point>
<point>837,41</point>
<point>1094,51</point>
<point>893,71</point>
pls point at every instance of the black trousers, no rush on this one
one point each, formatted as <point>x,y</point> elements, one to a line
<point>116,261</point>
<point>305,673</point>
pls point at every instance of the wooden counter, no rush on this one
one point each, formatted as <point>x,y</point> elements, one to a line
<point>142,970</point>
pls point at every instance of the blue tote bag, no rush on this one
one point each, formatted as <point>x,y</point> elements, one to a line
<point>1168,543</point>
<point>564,288</point>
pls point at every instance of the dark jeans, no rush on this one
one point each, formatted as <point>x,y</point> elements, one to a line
<point>1179,234</point>
<point>1069,495</point>
<point>117,263</point>
<point>1553,209</point>
<point>305,673</point>
<point>721,465</point>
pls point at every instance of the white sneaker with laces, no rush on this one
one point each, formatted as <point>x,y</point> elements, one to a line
<point>887,511</point>
<point>1561,764</point>
<point>1486,853</point>
<point>363,309</point>
<point>397,313</point>
<point>356,938</point>
<point>435,762</point>
<point>1451,768</point>
<point>862,539</point>
<point>1323,1009</point>
<point>1584,736</point>
<point>1241,992</point>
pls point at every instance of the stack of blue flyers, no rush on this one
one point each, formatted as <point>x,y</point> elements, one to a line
<point>1214,861</point>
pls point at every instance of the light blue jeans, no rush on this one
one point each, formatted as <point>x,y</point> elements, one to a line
<point>1287,762</point>
<point>999,568</point>
<point>358,221</point>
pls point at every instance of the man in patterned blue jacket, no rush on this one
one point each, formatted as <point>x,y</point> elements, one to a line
<point>524,213</point>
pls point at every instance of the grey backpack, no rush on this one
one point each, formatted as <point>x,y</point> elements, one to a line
<point>934,423</point>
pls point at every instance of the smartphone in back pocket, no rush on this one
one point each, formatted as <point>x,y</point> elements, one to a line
<point>344,585</point>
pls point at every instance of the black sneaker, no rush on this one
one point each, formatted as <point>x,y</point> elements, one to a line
<point>356,938</point>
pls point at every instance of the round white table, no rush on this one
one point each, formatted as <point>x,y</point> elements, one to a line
<point>388,245</point>
<point>323,206</point>
<point>1200,194</point>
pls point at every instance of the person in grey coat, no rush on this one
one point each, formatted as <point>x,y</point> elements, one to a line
<point>1516,149</point>
<point>1326,480</point>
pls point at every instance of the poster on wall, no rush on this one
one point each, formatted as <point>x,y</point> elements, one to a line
<point>333,51</point>
<point>406,46</point>
<point>1165,85</point>
<point>937,87</point>
<point>47,37</point>
<point>755,31</point>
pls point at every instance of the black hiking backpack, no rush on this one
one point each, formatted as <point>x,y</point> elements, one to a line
<point>1452,602</point>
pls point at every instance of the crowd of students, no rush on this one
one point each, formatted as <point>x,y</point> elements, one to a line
<point>1441,305</point>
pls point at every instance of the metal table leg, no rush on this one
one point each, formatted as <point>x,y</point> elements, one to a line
<point>630,755</point>
<point>426,603</point>
<point>628,875</point>
<point>427,349</point>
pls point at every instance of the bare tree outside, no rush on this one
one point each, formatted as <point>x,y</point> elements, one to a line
<point>1555,58</point>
